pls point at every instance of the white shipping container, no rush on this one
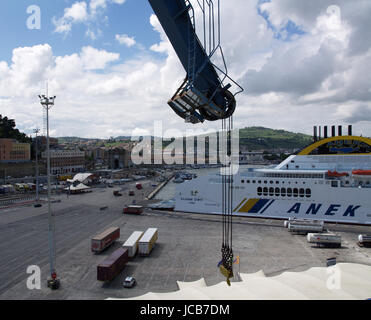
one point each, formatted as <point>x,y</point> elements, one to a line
<point>132,243</point>
<point>148,241</point>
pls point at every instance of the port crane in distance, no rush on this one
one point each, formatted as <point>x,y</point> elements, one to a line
<point>204,94</point>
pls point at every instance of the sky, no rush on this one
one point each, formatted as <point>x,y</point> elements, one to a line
<point>301,63</point>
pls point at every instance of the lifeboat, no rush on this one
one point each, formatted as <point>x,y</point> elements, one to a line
<point>362,172</point>
<point>337,174</point>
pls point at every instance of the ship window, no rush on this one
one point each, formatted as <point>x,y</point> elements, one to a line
<point>247,181</point>
<point>277,192</point>
<point>265,181</point>
<point>334,184</point>
<point>271,191</point>
<point>295,193</point>
<point>283,192</point>
<point>260,191</point>
<point>265,191</point>
<point>242,181</point>
<point>308,193</point>
<point>289,192</point>
<point>271,182</point>
<point>277,182</point>
<point>301,192</point>
<point>253,181</point>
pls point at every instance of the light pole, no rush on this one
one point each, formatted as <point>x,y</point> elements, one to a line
<point>36,131</point>
<point>47,103</point>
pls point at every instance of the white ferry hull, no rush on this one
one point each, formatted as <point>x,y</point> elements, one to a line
<point>324,202</point>
<point>342,211</point>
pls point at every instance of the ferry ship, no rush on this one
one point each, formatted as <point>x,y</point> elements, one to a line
<point>330,180</point>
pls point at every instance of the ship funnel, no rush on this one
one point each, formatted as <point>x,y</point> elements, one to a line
<point>325,132</point>
<point>315,138</point>
<point>350,130</point>
<point>333,131</point>
<point>340,130</point>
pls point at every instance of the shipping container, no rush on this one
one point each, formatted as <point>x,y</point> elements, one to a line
<point>148,241</point>
<point>105,239</point>
<point>132,243</point>
<point>110,267</point>
<point>132,209</point>
<point>324,239</point>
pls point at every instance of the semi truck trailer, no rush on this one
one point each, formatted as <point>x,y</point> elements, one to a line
<point>132,243</point>
<point>110,267</point>
<point>148,241</point>
<point>104,239</point>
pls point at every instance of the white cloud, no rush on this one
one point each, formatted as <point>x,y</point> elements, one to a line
<point>125,39</point>
<point>77,12</point>
<point>83,12</point>
<point>318,78</point>
<point>94,59</point>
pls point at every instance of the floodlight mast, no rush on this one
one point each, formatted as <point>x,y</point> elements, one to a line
<point>47,103</point>
<point>36,131</point>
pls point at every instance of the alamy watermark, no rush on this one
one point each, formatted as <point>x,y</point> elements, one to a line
<point>34,280</point>
<point>191,147</point>
<point>34,20</point>
<point>334,278</point>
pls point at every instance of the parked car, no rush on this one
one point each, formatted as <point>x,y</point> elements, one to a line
<point>131,193</point>
<point>129,282</point>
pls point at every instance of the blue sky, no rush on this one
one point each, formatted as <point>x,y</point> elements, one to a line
<point>131,18</point>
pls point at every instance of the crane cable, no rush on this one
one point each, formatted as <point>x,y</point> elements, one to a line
<point>226,264</point>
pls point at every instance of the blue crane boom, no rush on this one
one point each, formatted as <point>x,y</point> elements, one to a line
<point>202,96</point>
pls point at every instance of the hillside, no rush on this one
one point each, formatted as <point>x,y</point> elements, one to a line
<point>252,138</point>
<point>259,138</point>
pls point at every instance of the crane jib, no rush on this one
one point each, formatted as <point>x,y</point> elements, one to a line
<point>202,96</point>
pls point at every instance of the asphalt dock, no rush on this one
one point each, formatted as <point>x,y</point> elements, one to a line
<point>188,247</point>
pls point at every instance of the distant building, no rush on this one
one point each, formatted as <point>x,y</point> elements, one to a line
<point>13,151</point>
<point>100,156</point>
<point>118,158</point>
<point>41,141</point>
<point>66,161</point>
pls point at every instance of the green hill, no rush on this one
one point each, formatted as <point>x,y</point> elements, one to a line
<point>259,138</point>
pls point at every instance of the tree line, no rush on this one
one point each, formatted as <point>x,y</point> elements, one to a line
<point>8,130</point>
